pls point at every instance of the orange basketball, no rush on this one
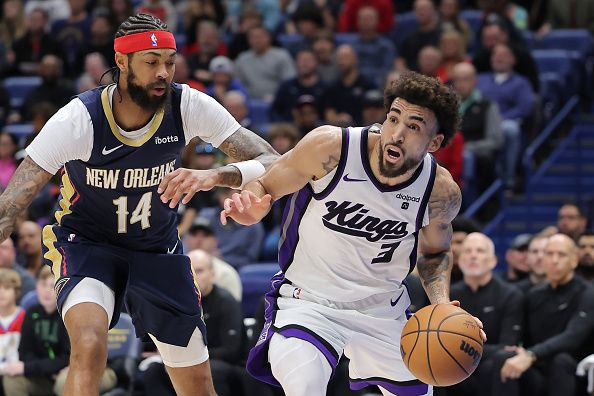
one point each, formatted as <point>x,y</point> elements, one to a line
<point>441,345</point>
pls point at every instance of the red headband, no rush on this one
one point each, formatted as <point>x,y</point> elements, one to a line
<point>144,41</point>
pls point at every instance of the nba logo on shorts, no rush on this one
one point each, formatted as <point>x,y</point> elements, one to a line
<point>404,205</point>
<point>296,292</point>
<point>154,39</point>
<point>71,237</point>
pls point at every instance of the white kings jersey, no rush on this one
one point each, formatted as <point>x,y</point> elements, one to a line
<point>347,238</point>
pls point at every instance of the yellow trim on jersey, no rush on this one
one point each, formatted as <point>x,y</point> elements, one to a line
<point>67,191</point>
<point>52,254</point>
<point>156,123</point>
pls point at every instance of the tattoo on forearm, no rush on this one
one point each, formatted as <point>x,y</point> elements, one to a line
<point>244,145</point>
<point>330,164</point>
<point>26,182</point>
<point>434,271</point>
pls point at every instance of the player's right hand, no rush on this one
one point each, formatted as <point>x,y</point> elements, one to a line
<point>245,208</point>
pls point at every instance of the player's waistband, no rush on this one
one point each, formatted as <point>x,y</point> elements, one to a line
<point>390,304</point>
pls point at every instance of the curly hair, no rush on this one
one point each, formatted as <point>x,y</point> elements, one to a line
<point>429,93</point>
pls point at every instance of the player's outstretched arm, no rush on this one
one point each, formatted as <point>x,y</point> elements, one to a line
<point>24,185</point>
<point>242,145</point>
<point>435,261</point>
<point>316,155</point>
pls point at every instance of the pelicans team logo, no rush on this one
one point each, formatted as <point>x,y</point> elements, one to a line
<point>154,39</point>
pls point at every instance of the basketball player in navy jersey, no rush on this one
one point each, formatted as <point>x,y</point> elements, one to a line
<point>115,239</point>
<point>363,204</point>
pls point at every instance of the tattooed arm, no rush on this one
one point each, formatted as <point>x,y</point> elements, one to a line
<point>435,261</point>
<point>316,155</point>
<point>24,185</point>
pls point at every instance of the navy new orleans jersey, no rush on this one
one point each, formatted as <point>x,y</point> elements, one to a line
<point>112,197</point>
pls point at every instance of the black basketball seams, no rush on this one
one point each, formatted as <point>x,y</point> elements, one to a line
<point>448,352</point>
<point>415,344</point>
<point>457,314</point>
<point>428,359</point>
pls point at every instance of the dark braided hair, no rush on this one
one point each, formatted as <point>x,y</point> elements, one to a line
<point>135,24</point>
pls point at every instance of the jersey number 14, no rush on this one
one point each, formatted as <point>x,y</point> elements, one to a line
<point>141,214</point>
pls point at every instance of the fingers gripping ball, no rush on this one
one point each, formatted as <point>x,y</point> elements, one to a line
<point>441,345</point>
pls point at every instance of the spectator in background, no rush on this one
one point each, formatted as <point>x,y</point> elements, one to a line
<point>239,245</point>
<point>375,52</point>
<point>451,157</point>
<point>223,318</point>
<point>54,9</point>
<point>449,14</point>
<point>263,67</point>
<point>307,82</point>
<point>499,305</point>
<point>555,337</point>
<point>516,258</point>
<point>34,45</point>
<point>535,262</point>
<point>201,236</point>
<point>162,9</point>
<point>283,136</point>
<point>426,34</point>
<point>101,38</point>
<point>95,68</point>
<point>571,221</point>
<point>44,349</point>
<point>11,318</point>
<point>307,22</point>
<point>73,34</point>
<point>223,79</point>
<point>183,74</point>
<point>480,124</point>
<point>4,106</point>
<point>208,46</point>
<point>235,103</point>
<point>585,266</point>
<point>195,11</point>
<point>305,114</point>
<point>347,20</point>
<point>8,163</point>
<point>29,246</point>
<point>453,51</point>
<point>343,100</point>
<point>563,14</point>
<point>324,50</point>
<point>8,261</point>
<point>461,227</point>
<point>373,107</point>
<point>249,18</point>
<point>52,89</point>
<point>495,32</point>
<point>40,114</point>
<point>514,15</point>
<point>12,23</point>
<point>429,61</point>
<point>515,98</point>
<point>119,11</point>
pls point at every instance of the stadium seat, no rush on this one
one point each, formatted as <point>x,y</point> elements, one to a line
<point>550,88</point>
<point>474,19</point>
<point>568,39</point>
<point>29,299</point>
<point>345,38</point>
<point>404,24</point>
<point>468,178</point>
<point>21,131</point>
<point>255,280</point>
<point>270,246</point>
<point>259,112</point>
<point>123,353</point>
<point>19,87</point>
<point>291,42</point>
<point>558,61</point>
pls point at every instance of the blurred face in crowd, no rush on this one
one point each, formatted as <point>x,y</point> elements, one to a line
<point>7,254</point>
<point>100,28</point>
<point>202,265</point>
<point>452,45</point>
<point>7,146</point>
<point>424,12</point>
<point>201,239</point>
<point>7,296</point>
<point>457,240</point>
<point>306,116</point>
<point>346,59</point>
<point>234,102</point>
<point>182,70</point>
<point>586,250</point>
<point>12,8</point>
<point>570,221</point>
<point>477,257</point>
<point>535,255</point>
<point>282,144</point>
<point>29,241</point>
<point>307,28</point>
<point>464,79</point>
<point>429,61</point>
<point>77,6</point>
<point>259,40</point>
<point>323,48</point>
<point>502,59</point>
<point>208,37</point>
<point>448,9</point>
<point>560,259</point>
<point>95,66</point>
<point>46,293</point>
<point>37,21</point>
<point>373,114</point>
<point>367,20</point>
<point>493,35</point>
<point>306,64</point>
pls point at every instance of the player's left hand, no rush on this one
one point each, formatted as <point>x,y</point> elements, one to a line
<point>185,183</point>
<point>515,366</point>
<point>456,303</point>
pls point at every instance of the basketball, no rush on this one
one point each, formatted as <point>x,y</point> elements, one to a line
<point>441,344</point>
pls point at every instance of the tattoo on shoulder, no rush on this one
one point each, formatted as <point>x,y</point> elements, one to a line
<point>445,204</point>
<point>330,163</point>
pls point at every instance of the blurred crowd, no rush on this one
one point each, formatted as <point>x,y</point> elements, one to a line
<point>282,68</point>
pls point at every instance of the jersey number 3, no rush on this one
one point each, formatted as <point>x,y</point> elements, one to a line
<point>141,214</point>
<point>385,256</point>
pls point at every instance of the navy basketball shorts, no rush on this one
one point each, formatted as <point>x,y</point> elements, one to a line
<point>159,290</point>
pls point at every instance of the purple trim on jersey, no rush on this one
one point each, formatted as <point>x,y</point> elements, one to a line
<point>379,185</point>
<point>257,362</point>
<point>305,334</point>
<point>427,194</point>
<point>413,253</point>
<point>405,388</point>
<point>344,153</point>
<point>294,211</point>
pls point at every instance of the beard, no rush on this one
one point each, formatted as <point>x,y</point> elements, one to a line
<point>142,97</point>
<point>390,170</point>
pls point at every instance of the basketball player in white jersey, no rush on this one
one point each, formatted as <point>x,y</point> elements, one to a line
<point>364,203</point>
